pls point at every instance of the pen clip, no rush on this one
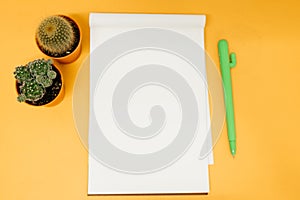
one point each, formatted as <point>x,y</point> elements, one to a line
<point>232,60</point>
<point>226,58</point>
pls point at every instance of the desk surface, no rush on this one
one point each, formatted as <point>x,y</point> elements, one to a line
<point>42,156</point>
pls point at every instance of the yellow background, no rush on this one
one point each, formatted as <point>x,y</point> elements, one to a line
<point>41,156</point>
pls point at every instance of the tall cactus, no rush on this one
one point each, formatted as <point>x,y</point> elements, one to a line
<point>55,36</point>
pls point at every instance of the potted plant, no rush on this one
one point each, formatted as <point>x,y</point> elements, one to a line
<point>59,37</point>
<point>39,83</point>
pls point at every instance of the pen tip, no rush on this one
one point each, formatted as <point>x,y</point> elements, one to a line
<point>233,152</point>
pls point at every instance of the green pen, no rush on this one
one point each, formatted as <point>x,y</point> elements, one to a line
<point>228,61</point>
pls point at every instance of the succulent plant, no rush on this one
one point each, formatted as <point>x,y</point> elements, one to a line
<point>56,36</point>
<point>31,91</point>
<point>33,79</point>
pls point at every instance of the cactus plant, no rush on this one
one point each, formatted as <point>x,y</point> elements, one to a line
<point>57,36</point>
<point>33,79</point>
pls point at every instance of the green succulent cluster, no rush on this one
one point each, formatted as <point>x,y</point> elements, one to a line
<point>55,35</point>
<point>33,79</point>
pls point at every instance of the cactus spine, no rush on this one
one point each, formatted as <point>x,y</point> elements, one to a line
<point>55,36</point>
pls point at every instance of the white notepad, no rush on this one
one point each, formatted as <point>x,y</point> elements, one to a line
<point>143,66</point>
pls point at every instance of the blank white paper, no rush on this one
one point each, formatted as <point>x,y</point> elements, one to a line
<point>187,174</point>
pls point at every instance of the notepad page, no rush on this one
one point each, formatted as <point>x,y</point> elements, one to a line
<point>188,174</point>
